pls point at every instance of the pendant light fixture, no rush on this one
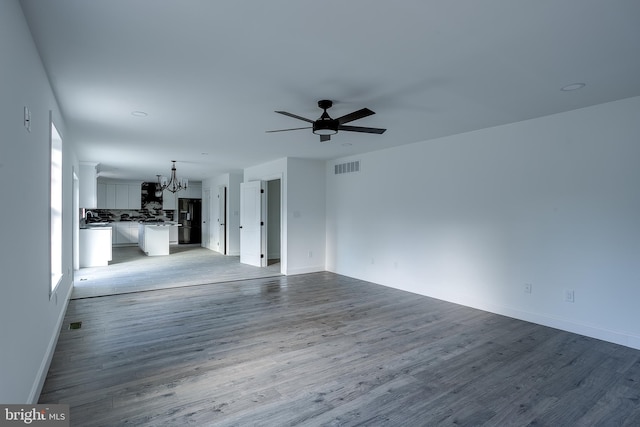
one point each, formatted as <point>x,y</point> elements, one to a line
<point>172,184</point>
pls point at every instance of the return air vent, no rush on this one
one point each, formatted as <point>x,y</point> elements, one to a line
<point>75,325</point>
<point>348,167</point>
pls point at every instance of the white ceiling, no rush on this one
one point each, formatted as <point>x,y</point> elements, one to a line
<point>210,73</point>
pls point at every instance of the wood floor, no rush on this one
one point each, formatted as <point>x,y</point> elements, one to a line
<point>326,350</point>
<point>132,271</point>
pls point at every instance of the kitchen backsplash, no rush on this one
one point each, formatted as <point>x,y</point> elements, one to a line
<point>115,215</point>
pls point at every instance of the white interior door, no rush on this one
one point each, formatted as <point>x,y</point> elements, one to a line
<point>222,219</point>
<point>251,223</point>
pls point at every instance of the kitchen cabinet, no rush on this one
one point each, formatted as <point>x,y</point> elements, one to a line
<point>135,199</point>
<point>131,234</point>
<point>125,233</point>
<point>88,185</point>
<point>118,195</point>
<point>122,196</point>
<point>95,246</point>
<point>154,239</point>
<point>102,195</point>
<point>111,196</point>
<point>173,234</point>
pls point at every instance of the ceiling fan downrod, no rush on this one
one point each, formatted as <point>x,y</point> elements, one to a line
<point>325,125</point>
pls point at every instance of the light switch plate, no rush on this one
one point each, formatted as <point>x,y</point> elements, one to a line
<point>27,119</point>
<point>569,296</point>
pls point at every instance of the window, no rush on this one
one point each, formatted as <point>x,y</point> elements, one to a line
<point>56,208</point>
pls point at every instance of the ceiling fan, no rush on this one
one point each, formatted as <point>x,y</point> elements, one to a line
<point>325,126</point>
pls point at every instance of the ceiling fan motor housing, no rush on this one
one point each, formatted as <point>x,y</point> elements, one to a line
<point>325,126</point>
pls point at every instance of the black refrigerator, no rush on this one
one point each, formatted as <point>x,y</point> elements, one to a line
<point>190,219</point>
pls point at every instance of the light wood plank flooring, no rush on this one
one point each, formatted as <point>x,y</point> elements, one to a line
<point>132,271</point>
<point>326,350</point>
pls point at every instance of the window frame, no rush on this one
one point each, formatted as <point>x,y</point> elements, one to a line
<point>55,207</point>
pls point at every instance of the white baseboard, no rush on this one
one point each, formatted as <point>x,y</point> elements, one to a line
<point>624,338</point>
<point>305,270</point>
<point>593,331</point>
<point>36,389</point>
<point>616,337</point>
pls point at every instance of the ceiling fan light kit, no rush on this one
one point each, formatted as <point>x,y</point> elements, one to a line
<point>325,126</point>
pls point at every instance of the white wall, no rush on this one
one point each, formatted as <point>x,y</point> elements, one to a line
<point>29,319</point>
<point>233,214</point>
<point>303,211</point>
<point>306,224</point>
<point>212,185</point>
<point>471,218</point>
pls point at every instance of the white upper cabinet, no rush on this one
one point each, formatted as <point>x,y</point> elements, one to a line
<point>88,185</point>
<point>111,196</point>
<point>122,196</point>
<point>102,195</point>
<point>135,199</point>
<point>118,195</point>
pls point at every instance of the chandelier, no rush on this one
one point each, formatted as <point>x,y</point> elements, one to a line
<point>172,184</point>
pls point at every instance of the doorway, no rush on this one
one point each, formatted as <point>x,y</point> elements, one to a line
<point>261,222</point>
<point>206,232</point>
<point>222,220</point>
<point>274,221</point>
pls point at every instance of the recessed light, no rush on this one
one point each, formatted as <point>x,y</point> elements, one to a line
<point>574,86</point>
<point>139,114</point>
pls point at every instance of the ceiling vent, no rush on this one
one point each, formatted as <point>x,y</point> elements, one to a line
<point>348,167</point>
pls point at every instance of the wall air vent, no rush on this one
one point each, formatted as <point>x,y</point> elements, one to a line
<point>348,167</point>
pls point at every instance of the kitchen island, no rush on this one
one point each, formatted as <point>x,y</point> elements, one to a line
<point>153,239</point>
<point>95,246</point>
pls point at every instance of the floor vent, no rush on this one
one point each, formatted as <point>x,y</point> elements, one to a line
<point>348,167</point>
<point>75,325</point>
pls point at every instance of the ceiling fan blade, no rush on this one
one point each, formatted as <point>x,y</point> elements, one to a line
<point>355,116</point>
<point>325,138</point>
<point>295,116</point>
<point>361,129</point>
<point>284,130</point>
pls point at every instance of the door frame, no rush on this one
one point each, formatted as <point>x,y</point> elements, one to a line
<point>205,207</point>
<point>267,221</point>
<point>222,222</point>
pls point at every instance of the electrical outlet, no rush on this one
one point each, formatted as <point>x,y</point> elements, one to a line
<point>310,254</point>
<point>528,288</point>
<point>569,296</point>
